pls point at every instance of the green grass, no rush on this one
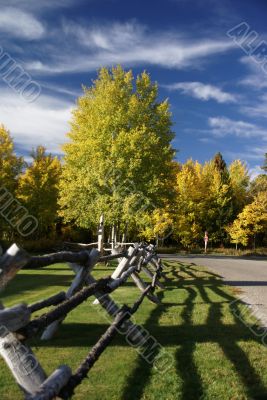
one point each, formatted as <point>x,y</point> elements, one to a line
<point>213,355</point>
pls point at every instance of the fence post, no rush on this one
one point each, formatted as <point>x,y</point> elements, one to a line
<point>113,236</point>
<point>21,361</point>
<point>101,235</point>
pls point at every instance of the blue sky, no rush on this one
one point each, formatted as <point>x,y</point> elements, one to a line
<point>217,89</point>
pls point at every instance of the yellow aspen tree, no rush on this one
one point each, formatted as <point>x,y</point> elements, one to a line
<point>10,168</point>
<point>10,164</point>
<point>239,179</point>
<point>38,189</point>
<point>117,160</point>
<point>251,221</point>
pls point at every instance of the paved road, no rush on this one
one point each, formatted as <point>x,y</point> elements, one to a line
<point>250,275</point>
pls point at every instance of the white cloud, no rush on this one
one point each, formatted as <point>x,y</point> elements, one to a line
<point>255,171</point>
<point>43,122</point>
<point>258,109</point>
<point>249,153</point>
<point>74,93</point>
<point>254,157</point>
<point>257,76</point>
<point>255,79</point>
<point>207,140</point>
<point>129,44</point>
<point>107,37</point>
<point>203,91</point>
<point>18,23</point>
<point>222,126</point>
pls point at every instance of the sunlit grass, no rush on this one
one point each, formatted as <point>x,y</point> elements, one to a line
<point>213,354</point>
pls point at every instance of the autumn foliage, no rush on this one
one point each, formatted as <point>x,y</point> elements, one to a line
<point>119,161</point>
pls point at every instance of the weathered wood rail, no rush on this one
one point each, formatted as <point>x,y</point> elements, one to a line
<point>17,324</point>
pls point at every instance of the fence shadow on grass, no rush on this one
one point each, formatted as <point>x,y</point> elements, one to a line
<point>199,289</point>
<point>187,335</point>
<point>24,283</point>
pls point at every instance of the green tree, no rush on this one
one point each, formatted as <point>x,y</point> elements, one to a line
<point>119,155</point>
<point>38,189</point>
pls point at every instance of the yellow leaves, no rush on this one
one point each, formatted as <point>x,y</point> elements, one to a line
<point>10,164</point>
<point>158,225</point>
<point>238,233</point>
<point>239,179</point>
<point>162,221</point>
<point>120,130</point>
<point>238,173</point>
<point>264,167</point>
<point>203,201</point>
<point>38,187</point>
<point>252,220</point>
<point>255,214</point>
<point>190,182</point>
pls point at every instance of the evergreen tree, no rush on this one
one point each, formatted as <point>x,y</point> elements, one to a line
<point>221,166</point>
<point>264,167</point>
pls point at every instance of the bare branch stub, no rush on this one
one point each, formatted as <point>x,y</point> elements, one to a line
<point>11,262</point>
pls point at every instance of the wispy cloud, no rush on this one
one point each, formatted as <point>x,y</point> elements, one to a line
<point>254,156</point>
<point>257,76</point>
<point>203,91</point>
<point>42,122</point>
<point>255,79</point>
<point>57,89</point>
<point>130,44</point>
<point>255,171</point>
<point>222,126</point>
<point>108,37</point>
<point>258,108</point>
<point>207,140</point>
<point>248,153</point>
<point>21,24</point>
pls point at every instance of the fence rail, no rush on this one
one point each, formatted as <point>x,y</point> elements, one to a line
<point>17,325</point>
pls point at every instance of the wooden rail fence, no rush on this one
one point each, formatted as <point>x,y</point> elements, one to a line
<point>17,324</point>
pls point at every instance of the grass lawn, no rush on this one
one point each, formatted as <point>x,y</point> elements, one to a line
<point>214,356</point>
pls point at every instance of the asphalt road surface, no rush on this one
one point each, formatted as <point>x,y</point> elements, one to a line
<point>249,275</point>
